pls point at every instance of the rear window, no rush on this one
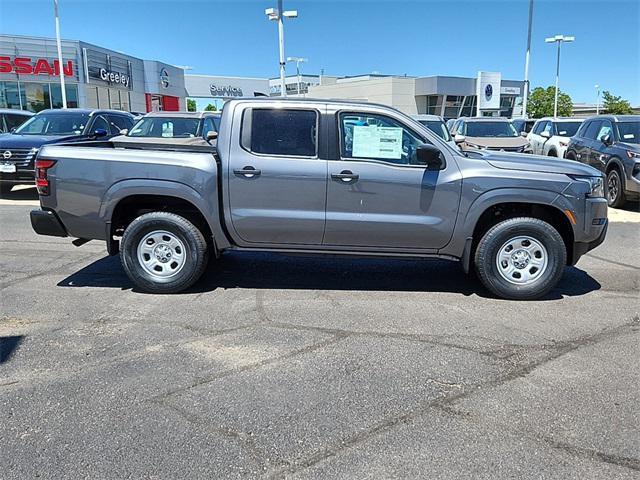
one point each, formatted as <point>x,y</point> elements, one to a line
<point>286,132</point>
<point>165,127</point>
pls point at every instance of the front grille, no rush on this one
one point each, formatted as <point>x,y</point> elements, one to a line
<point>506,149</point>
<point>19,156</point>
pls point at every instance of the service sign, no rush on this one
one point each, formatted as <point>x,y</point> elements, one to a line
<point>225,91</point>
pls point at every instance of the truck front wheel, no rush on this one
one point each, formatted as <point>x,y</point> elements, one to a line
<point>521,258</point>
<point>163,252</point>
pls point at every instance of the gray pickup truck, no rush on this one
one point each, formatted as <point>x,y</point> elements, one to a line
<point>311,176</point>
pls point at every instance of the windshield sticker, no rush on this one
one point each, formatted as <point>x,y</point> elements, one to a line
<point>628,136</point>
<point>372,141</point>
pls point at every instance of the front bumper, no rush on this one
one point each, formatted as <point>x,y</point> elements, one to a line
<point>46,222</point>
<point>580,248</point>
<point>19,177</point>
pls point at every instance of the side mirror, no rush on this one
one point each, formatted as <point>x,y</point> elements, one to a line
<point>606,139</point>
<point>545,134</point>
<point>459,138</point>
<point>100,132</point>
<point>523,134</point>
<point>12,130</point>
<point>211,135</point>
<point>431,157</point>
<point>124,131</point>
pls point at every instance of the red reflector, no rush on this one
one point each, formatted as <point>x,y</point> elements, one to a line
<point>45,163</point>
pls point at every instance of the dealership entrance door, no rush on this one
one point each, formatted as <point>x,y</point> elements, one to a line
<point>162,103</point>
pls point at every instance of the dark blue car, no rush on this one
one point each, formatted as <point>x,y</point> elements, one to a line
<point>19,148</point>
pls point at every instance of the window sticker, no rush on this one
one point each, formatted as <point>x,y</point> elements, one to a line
<point>372,141</point>
<point>627,136</point>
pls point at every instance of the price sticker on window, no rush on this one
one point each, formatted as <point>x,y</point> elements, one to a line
<point>372,141</point>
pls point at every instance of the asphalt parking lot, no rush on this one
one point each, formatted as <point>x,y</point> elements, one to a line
<point>305,367</point>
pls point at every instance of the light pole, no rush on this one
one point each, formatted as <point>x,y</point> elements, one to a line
<point>525,98</point>
<point>61,72</point>
<point>559,39</point>
<point>597,99</point>
<point>298,60</point>
<point>277,14</point>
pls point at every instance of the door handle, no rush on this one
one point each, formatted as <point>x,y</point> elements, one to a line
<point>248,171</point>
<point>346,176</point>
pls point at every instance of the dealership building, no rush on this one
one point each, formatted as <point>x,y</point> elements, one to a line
<point>488,94</point>
<point>95,77</point>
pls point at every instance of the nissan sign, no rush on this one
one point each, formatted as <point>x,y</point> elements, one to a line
<point>115,77</point>
<point>225,91</point>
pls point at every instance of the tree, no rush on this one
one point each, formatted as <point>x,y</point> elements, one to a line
<point>615,105</point>
<point>191,105</point>
<point>541,103</point>
<point>210,108</point>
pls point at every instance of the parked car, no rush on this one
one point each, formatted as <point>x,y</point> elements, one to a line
<point>611,143</point>
<point>172,128</point>
<point>437,126</point>
<point>18,149</point>
<point>312,176</point>
<point>490,133</point>
<point>550,136</point>
<point>522,124</point>
<point>11,118</point>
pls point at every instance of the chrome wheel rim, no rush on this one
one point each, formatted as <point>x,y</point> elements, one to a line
<point>161,254</point>
<point>612,187</point>
<point>522,260</point>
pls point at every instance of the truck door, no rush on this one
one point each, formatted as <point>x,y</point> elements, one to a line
<point>276,181</point>
<point>378,195</point>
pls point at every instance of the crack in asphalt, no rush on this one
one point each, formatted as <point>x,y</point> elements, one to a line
<point>558,350</point>
<point>54,271</point>
<point>613,262</point>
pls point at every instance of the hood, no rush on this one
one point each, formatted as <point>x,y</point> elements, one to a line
<point>497,142</point>
<point>634,147</point>
<point>12,140</point>
<point>536,163</point>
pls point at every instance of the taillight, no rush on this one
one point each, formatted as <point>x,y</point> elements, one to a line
<point>42,180</point>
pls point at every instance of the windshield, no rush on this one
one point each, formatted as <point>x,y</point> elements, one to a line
<point>490,129</point>
<point>439,128</point>
<point>629,132</point>
<point>54,124</point>
<point>166,127</point>
<point>567,129</point>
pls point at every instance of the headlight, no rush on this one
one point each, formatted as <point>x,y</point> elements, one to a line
<point>596,185</point>
<point>633,155</point>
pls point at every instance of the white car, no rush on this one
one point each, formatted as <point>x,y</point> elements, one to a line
<point>550,136</point>
<point>437,126</point>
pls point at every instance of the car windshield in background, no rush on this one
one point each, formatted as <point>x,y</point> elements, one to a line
<point>163,127</point>
<point>439,128</point>
<point>629,132</point>
<point>216,122</point>
<point>54,124</point>
<point>567,129</point>
<point>490,129</point>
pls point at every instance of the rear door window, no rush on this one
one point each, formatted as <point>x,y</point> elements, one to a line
<point>282,131</point>
<point>100,122</point>
<point>118,122</point>
<point>14,121</point>
<point>593,129</point>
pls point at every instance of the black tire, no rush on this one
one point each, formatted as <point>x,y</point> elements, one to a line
<point>195,252</point>
<point>5,188</point>
<point>570,156</point>
<point>498,236</point>
<point>552,153</point>
<point>615,189</point>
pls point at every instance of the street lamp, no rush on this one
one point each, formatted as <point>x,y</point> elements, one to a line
<point>526,64</point>
<point>298,60</point>
<point>277,14</point>
<point>597,87</point>
<point>559,39</point>
<point>64,92</point>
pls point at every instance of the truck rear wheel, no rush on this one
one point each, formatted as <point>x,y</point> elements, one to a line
<point>163,252</point>
<point>521,258</point>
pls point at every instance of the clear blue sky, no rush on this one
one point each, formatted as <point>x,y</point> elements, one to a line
<point>426,37</point>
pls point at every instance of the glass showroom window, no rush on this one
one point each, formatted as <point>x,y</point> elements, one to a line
<point>506,106</point>
<point>434,104</point>
<point>35,96</point>
<point>469,106</point>
<point>452,106</point>
<point>10,95</point>
<point>56,95</point>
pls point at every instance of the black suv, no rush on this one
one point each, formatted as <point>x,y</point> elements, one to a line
<point>19,148</point>
<point>611,143</point>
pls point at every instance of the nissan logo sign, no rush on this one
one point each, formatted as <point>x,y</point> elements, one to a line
<point>164,78</point>
<point>488,91</point>
<point>225,91</point>
<point>6,155</point>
